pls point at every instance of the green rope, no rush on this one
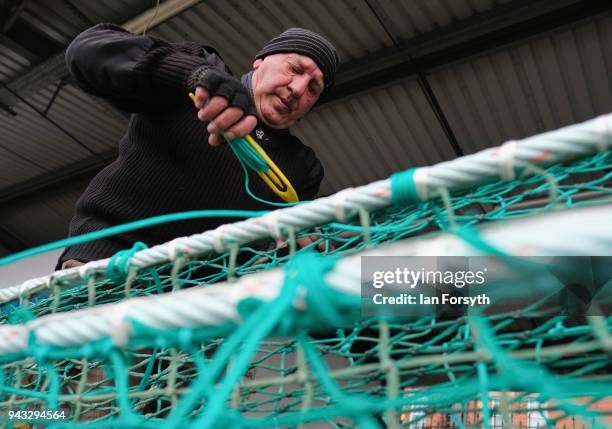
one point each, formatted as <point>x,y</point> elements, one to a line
<point>243,164</point>
<point>126,227</point>
<point>250,158</point>
<point>119,264</point>
<point>247,154</point>
<point>403,189</point>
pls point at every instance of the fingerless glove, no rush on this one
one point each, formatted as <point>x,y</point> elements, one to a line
<point>221,84</point>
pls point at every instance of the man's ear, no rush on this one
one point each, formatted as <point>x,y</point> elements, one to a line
<point>257,63</point>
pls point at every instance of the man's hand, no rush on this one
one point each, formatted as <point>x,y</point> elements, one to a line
<point>321,243</point>
<point>229,109</point>
<point>307,241</point>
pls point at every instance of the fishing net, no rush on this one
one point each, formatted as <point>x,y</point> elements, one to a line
<point>251,330</point>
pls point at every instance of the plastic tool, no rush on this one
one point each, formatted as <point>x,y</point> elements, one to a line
<point>258,160</point>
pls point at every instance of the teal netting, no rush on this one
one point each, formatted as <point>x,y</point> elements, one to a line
<point>530,368</point>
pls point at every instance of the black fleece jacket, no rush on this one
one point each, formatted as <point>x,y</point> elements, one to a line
<point>165,164</point>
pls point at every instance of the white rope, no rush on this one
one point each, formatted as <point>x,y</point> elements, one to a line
<point>219,245</point>
<point>421,182</point>
<point>84,270</point>
<point>340,204</point>
<point>172,249</point>
<point>565,144</point>
<point>603,126</point>
<point>120,326</point>
<point>274,226</point>
<point>505,159</point>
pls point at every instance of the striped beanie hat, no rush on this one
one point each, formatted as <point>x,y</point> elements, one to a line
<point>309,43</point>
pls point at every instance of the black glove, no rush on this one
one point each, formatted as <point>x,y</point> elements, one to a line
<point>221,84</point>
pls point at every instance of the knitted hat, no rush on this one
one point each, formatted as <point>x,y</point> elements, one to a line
<point>309,43</point>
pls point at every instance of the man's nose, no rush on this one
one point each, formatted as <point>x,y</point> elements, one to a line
<point>298,85</point>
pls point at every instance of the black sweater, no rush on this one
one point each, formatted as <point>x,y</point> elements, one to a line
<point>165,164</point>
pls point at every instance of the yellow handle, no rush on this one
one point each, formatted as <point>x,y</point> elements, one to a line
<point>273,177</point>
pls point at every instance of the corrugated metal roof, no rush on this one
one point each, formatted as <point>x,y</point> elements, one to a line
<point>11,64</point>
<point>30,145</point>
<point>109,10</point>
<point>368,137</point>
<point>407,19</point>
<point>62,20</point>
<point>542,84</point>
<point>50,18</point>
<point>239,29</point>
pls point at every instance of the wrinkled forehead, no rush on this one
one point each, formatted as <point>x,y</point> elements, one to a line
<point>305,61</point>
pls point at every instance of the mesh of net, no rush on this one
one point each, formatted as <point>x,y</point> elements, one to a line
<point>527,369</point>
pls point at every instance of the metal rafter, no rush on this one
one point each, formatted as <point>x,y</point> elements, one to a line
<point>12,15</point>
<point>426,88</point>
<point>70,135</point>
<point>500,26</point>
<point>54,68</point>
<point>19,49</point>
<point>29,42</point>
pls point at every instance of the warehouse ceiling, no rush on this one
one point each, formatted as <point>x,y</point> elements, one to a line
<point>421,81</point>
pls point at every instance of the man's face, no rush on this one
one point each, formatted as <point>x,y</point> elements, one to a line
<point>285,87</point>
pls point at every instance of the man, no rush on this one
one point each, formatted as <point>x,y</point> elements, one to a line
<point>164,164</point>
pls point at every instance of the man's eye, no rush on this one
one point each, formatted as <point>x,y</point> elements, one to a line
<point>314,89</point>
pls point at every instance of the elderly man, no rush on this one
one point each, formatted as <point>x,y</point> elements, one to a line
<point>164,164</point>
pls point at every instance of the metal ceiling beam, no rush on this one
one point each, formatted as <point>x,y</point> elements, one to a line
<point>54,68</point>
<point>32,41</point>
<point>422,80</point>
<point>19,49</point>
<point>53,122</point>
<point>498,27</point>
<point>12,14</point>
<point>78,13</point>
<point>156,16</point>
